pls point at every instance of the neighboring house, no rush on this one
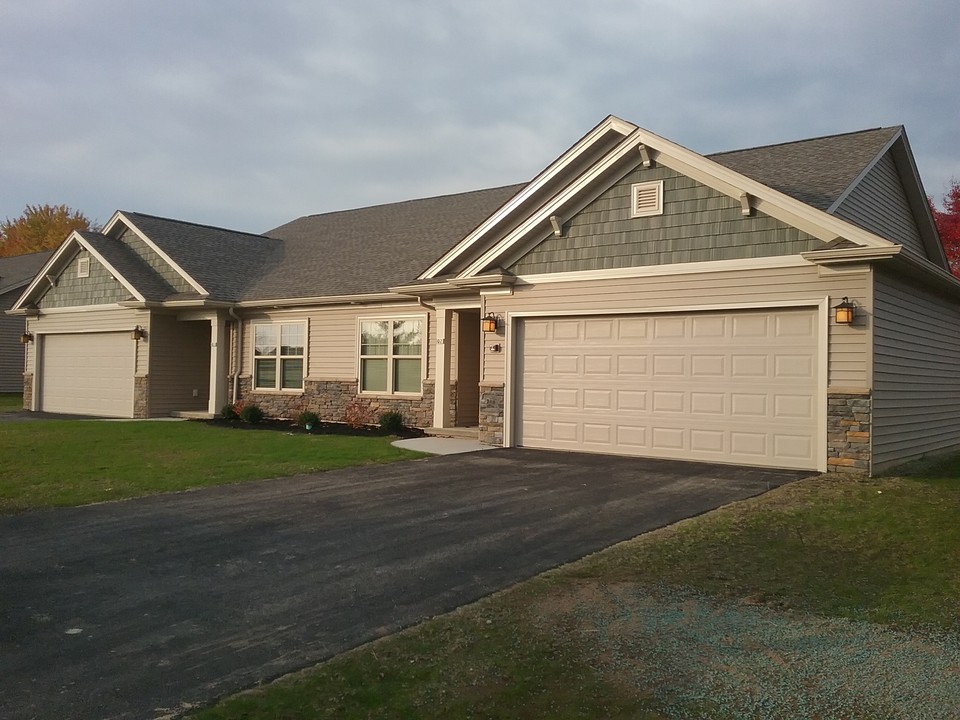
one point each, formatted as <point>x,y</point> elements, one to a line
<point>16,273</point>
<point>646,300</point>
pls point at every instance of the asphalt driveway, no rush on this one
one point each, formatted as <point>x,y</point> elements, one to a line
<point>145,608</point>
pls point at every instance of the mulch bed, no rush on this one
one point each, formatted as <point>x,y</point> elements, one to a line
<point>319,428</point>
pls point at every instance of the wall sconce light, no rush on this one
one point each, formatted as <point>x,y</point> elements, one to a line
<point>843,313</point>
<point>138,333</point>
<point>489,323</point>
<point>26,338</point>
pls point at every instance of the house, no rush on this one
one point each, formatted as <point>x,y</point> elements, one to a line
<point>635,298</point>
<point>15,274</point>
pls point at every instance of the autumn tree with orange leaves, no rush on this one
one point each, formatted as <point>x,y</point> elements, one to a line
<point>948,224</point>
<point>39,228</point>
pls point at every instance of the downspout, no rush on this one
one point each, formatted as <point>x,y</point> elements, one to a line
<point>238,333</point>
<point>422,304</point>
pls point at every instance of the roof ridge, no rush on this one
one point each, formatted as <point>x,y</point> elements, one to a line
<point>409,201</point>
<point>803,140</point>
<point>196,224</point>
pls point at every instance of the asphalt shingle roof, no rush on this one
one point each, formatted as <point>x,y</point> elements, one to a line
<point>368,250</point>
<point>814,171</point>
<point>20,269</point>
<point>371,249</point>
<point>130,265</point>
<point>224,262</point>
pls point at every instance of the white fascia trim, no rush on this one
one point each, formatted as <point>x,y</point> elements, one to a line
<point>611,123</point>
<point>323,300</point>
<point>74,239</point>
<point>676,157</point>
<point>847,255</point>
<point>777,261</point>
<point>113,271</point>
<point>82,309</point>
<point>767,200</point>
<point>543,214</point>
<point>153,246</point>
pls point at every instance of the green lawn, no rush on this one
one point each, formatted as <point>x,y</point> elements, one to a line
<point>11,402</point>
<point>72,462</point>
<point>875,551</point>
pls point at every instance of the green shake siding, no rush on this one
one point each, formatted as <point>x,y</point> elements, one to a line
<point>698,224</point>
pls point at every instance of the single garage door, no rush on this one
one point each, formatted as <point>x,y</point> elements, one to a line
<point>737,387</point>
<point>87,374</point>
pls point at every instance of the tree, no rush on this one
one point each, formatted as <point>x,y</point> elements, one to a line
<point>948,224</point>
<point>40,227</point>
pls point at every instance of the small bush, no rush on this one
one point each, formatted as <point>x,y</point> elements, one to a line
<point>307,418</point>
<point>391,422</point>
<point>251,414</point>
<point>230,411</point>
<point>357,414</point>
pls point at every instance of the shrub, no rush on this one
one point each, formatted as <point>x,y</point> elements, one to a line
<point>230,411</point>
<point>307,419</point>
<point>391,422</point>
<point>251,414</point>
<point>356,414</point>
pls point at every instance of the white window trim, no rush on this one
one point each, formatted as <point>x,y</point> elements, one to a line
<point>636,189</point>
<point>83,267</point>
<point>389,318</point>
<point>253,356</point>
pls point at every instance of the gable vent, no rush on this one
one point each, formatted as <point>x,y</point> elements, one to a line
<point>83,267</point>
<point>646,199</point>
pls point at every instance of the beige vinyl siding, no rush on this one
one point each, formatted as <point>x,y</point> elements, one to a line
<point>879,204</point>
<point>179,364</point>
<point>698,224</point>
<point>916,384</point>
<point>847,357</point>
<point>91,321</point>
<point>332,333</point>
<point>99,288</point>
<point>11,351</point>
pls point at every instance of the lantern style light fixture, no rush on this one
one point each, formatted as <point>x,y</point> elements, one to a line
<point>138,333</point>
<point>843,313</point>
<point>26,338</point>
<point>489,323</point>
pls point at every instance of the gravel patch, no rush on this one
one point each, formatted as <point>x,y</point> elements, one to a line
<point>700,657</point>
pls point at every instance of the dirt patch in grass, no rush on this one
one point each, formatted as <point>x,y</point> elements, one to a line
<point>703,657</point>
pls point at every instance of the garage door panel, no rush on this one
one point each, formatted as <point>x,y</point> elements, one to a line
<point>734,387</point>
<point>87,374</point>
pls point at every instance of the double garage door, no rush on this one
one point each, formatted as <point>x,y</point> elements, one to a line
<point>736,387</point>
<point>87,374</point>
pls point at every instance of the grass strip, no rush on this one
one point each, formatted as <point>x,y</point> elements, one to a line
<point>70,462</point>
<point>11,402</point>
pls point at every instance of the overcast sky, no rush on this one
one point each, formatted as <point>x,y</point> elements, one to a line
<point>247,114</point>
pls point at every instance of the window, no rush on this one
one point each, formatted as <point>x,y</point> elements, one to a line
<point>646,199</point>
<point>83,267</point>
<point>278,356</point>
<point>391,356</point>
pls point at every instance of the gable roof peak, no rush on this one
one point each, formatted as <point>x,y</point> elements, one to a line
<point>132,215</point>
<point>890,129</point>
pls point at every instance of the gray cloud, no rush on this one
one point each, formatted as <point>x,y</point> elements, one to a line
<point>247,114</point>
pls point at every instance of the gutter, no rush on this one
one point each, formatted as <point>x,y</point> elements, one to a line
<point>235,389</point>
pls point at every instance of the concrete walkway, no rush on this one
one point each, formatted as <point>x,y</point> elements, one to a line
<point>441,445</point>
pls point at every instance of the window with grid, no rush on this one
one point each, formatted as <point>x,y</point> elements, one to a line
<point>278,357</point>
<point>391,356</point>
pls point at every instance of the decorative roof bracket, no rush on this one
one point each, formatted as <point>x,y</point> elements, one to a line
<point>557,223</point>
<point>745,206</point>
<point>645,154</point>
